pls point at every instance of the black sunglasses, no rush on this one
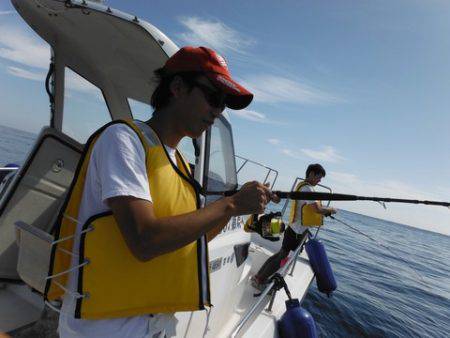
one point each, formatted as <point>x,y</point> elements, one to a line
<point>215,98</point>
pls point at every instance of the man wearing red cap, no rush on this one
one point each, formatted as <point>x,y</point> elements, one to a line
<point>137,181</point>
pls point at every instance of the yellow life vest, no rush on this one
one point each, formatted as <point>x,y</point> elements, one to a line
<point>248,223</point>
<point>114,283</point>
<point>309,217</point>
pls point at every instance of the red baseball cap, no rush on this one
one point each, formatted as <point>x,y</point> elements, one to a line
<point>214,67</point>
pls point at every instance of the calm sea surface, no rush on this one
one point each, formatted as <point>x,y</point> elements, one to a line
<point>400,292</point>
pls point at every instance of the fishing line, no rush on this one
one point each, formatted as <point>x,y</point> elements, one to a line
<point>385,247</point>
<point>208,313</point>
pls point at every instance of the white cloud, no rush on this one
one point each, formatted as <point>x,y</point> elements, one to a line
<point>443,190</point>
<point>7,12</point>
<point>276,89</point>
<point>426,217</point>
<point>346,178</point>
<point>328,154</point>
<point>19,72</point>
<point>291,153</point>
<point>274,141</point>
<point>76,83</point>
<point>382,188</point>
<point>250,115</point>
<point>79,84</point>
<point>73,81</point>
<point>214,34</point>
<point>22,48</point>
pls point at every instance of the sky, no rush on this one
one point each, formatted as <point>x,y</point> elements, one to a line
<point>361,87</point>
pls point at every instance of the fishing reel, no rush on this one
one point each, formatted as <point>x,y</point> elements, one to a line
<point>268,226</point>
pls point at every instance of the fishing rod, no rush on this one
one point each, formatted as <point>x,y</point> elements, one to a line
<point>324,196</point>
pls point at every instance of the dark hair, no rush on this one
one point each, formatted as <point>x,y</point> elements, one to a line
<point>161,96</point>
<point>315,168</point>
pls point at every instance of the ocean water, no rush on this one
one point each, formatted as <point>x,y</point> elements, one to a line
<point>14,145</point>
<point>402,291</point>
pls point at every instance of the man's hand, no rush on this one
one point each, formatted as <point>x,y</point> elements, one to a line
<point>252,198</point>
<point>330,211</point>
<point>323,210</point>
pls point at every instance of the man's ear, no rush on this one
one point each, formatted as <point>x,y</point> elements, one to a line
<point>177,86</point>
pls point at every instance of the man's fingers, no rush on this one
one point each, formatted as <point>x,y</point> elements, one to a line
<point>262,198</point>
<point>256,195</point>
<point>275,198</point>
<point>266,191</point>
<point>270,195</point>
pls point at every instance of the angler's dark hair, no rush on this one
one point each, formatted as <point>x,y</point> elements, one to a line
<point>161,96</point>
<point>315,168</point>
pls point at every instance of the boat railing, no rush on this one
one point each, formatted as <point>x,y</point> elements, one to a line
<point>290,264</point>
<point>6,175</point>
<point>296,181</point>
<point>9,168</point>
<point>6,171</point>
<point>267,175</point>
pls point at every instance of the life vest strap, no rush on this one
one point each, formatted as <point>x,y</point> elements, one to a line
<point>75,295</point>
<point>86,262</point>
<point>88,229</point>
<point>68,252</point>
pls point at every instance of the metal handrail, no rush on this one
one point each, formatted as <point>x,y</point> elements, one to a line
<point>282,271</point>
<point>246,160</point>
<point>9,168</point>
<point>293,188</point>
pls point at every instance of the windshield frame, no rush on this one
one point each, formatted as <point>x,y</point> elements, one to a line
<point>231,157</point>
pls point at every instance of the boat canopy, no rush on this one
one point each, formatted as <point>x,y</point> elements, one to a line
<point>115,51</point>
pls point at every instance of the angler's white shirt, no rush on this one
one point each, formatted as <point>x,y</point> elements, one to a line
<point>116,168</point>
<point>296,225</point>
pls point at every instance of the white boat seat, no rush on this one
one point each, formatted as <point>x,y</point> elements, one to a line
<point>35,248</point>
<point>36,193</point>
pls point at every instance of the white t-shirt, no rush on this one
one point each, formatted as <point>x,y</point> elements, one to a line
<point>116,168</point>
<point>296,225</point>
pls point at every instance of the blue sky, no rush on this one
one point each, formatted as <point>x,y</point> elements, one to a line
<point>359,86</point>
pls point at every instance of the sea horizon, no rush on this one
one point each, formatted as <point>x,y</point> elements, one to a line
<point>35,135</point>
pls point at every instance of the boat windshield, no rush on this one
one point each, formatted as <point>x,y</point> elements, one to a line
<point>85,109</point>
<point>220,166</point>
